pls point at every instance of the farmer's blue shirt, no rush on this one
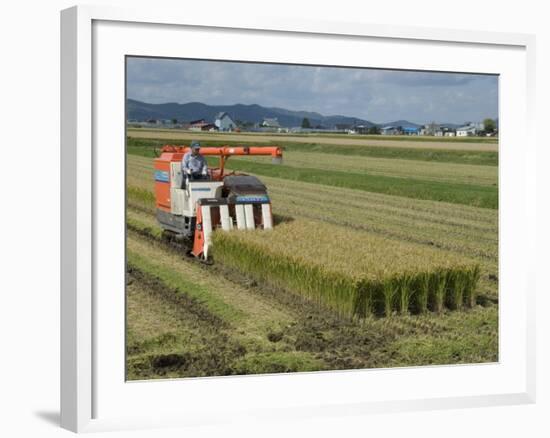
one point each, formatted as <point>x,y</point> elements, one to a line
<point>196,163</point>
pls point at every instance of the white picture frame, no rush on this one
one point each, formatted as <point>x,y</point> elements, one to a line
<point>92,393</point>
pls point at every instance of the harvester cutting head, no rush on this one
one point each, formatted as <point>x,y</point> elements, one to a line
<point>194,209</point>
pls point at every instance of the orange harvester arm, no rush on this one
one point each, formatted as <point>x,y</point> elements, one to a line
<point>225,152</point>
<point>274,151</point>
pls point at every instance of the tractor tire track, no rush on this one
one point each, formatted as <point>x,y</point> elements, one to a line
<point>189,341</point>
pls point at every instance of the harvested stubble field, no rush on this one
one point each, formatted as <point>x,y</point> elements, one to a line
<point>264,325</point>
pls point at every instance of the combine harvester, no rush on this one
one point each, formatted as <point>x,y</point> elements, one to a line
<point>190,210</point>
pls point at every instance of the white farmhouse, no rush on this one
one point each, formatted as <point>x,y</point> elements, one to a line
<point>389,130</point>
<point>470,129</point>
<point>270,123</point>
<point>466,131</point>
<point>224,122</point>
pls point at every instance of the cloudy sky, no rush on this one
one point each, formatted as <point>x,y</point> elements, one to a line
<point>371,94</point>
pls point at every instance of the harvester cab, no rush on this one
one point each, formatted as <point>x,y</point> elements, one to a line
<point>190,210</point>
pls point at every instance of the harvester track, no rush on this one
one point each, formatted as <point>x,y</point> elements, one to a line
<point>297,303</point>
<point>183,246</point>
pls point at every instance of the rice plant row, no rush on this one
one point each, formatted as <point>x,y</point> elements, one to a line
<point>355,274</point>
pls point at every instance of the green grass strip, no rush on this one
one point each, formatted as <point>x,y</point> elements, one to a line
<point>177,281</point>
<point>140,227</point>
<point>141,198</point>
<point>487,158</point>
<point>456,193</point>
<point>277,362</point>
<point>145,147</point>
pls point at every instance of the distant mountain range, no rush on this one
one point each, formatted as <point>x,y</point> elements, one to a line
<point>187,112</point>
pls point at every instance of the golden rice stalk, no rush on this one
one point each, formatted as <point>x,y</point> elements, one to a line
<point>355,273</point>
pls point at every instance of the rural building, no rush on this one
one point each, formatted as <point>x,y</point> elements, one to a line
<point>430,129</point>
<point>478,126</point>
<point>466,131</point>
<point>411,130</point>
<point>196,123</point>
<point>389,130</point>
<point>202,125</point>
<point>224,122</point>
<point>360,129</point>
<point>270,123</point>
<point>445,131</point>
<point>470,129</point>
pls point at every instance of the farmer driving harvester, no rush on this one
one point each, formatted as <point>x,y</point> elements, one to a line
<point>193,164</point>
<point>191,211</point>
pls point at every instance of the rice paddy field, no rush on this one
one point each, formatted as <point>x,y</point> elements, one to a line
<point>384,254</point>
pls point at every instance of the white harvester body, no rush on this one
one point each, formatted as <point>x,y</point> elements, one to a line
<point>194,208</point>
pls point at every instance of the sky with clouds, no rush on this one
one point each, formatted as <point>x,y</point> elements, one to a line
<point>371,94</point>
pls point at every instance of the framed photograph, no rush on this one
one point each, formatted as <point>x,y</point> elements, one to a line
<point>283,219</point>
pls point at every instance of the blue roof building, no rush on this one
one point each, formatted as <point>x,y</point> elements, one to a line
<point>410,130</point>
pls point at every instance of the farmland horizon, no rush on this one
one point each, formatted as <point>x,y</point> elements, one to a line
<point>171,107</point>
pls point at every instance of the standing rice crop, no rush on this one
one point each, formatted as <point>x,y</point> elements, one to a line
<point>357,274</point>
<point>472,279</point>
<point>422,288</point>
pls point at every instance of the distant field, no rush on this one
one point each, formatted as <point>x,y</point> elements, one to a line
<point>147,146</point>
<point>439,181</point>
<point>394,167</point>
<point>474,144</point>
<point>418,188</point>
